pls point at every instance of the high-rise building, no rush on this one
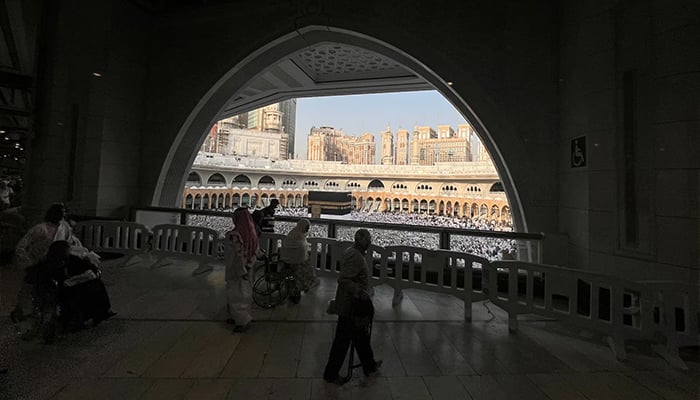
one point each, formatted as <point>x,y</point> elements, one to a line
<point>445,132</point>
<point>401,152</point>
<point>361,150</point>
<point>270,119</point>
<point>387,147</point>
<point>425,132</point>
<point>328,144</point>
<point>465,131</point>
<point>289,121</point>
<point>445,145</point>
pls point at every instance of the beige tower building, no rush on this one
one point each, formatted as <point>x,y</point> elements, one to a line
<point>269,119</point>
<point>445,132</point>
<point>361,150</point>
<point>415,148</point>
<point>387,147</point>
<point>329,144</point>
<point>465,131</point>
<point>425,132</point>
<point>325,144</point>
<point>444,145</point>
<point>401,152</point>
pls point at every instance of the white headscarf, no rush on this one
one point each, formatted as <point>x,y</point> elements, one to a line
<point>295,247</point>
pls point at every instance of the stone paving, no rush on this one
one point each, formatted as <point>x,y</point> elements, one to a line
<point>170,341</point>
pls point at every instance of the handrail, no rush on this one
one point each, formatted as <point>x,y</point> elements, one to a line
<point>663,312</point>
<point>443,233</point>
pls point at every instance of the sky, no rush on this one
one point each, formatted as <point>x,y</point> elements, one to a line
<point>358,114</point>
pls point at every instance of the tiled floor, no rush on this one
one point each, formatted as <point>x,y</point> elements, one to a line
<point>169,341</point>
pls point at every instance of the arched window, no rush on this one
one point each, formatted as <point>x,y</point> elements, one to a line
<point>496,187</point>
<point>266,181</point>
<point>197,202</point>
<point>193,179</point>
<point>505,214</point>
<point>423,206</point>
<point>483,211</point>
<point>236,200</point>
<point>227,202</point>
<point>241,180</point>
<point>205,202</point>
<point>189,201</point>
<point>375,184</point>
<point>216,180</point>
<point>495,212</point>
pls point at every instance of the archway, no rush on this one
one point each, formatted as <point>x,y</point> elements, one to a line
<point>231,85</point>
<point>241,180</point>
<point>266,181</point>
<point>193,179</point>
<point>375,184</point>
<point>216,180</point>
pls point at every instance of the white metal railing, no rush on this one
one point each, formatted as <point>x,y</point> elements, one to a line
<point>129,238</point>
<point>662,312</point>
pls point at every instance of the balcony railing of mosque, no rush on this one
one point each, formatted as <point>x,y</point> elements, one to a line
<point>493,245</point>
<point>336,167</point>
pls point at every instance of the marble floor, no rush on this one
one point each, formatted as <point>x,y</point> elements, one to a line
<point>169,341</point>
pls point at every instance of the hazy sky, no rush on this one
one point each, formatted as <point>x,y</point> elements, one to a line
<point>357,114</point>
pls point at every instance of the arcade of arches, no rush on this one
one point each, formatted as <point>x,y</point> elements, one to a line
<point>493,208</point>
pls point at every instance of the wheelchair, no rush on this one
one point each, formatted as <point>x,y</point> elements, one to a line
<point>276,284</point>
<point>44,318</point>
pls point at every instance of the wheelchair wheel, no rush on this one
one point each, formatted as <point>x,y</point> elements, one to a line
<point>270,290</point>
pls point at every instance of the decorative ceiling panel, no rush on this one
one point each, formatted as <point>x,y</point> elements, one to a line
<point>333,61</point>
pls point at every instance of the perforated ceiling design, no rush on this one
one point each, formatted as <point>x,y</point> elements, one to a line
<point>336,59</point>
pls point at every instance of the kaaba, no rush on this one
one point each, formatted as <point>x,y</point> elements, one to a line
<point>334,203</point>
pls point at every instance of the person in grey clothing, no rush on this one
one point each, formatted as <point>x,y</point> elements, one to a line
<point>354,311</point>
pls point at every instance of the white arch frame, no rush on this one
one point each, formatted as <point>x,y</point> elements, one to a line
<point>237,79</point>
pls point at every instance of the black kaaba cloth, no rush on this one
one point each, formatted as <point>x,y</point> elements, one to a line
<point>335,203</point>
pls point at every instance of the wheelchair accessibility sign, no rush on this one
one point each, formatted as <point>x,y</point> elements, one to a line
<point>578,152</point>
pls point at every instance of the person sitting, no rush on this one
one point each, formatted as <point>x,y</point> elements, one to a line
<point>73,284</point>
<point>295,253</point>
<point>31,249</point>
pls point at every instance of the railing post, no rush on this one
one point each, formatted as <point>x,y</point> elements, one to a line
<point>183,218</point>
<point>445,240</point>
<point>512,298</point>
<point>332,230</point>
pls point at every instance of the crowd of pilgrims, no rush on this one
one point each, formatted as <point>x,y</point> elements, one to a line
<point>489,248</point>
